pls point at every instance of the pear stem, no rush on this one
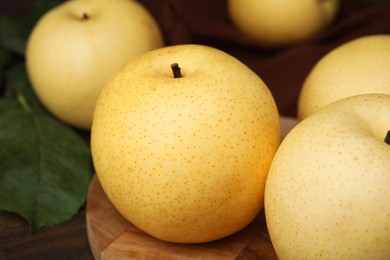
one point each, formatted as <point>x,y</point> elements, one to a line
<point>387,138</point>
<point>176,71</point>
<point>85,16</point>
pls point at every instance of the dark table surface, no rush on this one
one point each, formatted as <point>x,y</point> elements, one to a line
<point>68,240</point>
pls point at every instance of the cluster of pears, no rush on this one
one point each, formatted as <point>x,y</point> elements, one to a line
<point>186,140</point>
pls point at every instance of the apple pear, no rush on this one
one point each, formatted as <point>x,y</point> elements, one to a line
<point>276,23</point>
<point>327,192</point>
<point>182,140</point>
<point>75,47</point>
<point>356,67</point>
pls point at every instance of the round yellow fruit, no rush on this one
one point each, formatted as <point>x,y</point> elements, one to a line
<point>185,159</point>
<point>276,23</point>
<point>356,67</point>
<point>327,192</point>
<point>75,47</point>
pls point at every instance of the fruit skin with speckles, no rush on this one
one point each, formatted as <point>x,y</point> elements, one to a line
<point>76,47</point>
<point>356,67</point>
<point>185,159</point>
<point>327,193</point>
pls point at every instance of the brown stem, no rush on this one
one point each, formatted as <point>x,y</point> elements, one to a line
<point>387,138</point>
<point>176,70</point>
<point>85,16</point>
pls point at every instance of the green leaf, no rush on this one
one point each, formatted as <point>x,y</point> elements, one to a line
<point>45,166</point>
<point>39,8</point>
<point>5,58</point>
<point>19,84</point>
<point>13,34</point>
<point>14,31</point>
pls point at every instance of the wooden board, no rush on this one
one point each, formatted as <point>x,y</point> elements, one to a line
<point>112,237</point>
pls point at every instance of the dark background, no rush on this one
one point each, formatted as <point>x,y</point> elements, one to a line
<point>283,70</point>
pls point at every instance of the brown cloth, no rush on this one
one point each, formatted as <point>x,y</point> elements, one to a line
<point>283,70</point>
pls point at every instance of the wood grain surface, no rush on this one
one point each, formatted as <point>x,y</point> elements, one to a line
<point>112,237</point>
<point>64,241</point>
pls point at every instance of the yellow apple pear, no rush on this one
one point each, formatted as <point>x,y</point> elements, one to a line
<point>276,23</point>
<point>327,192</point>
<point>183,151</point>
<point>356,67</point>
<point>75,47</point>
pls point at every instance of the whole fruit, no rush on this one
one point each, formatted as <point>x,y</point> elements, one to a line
<point>184,154</point>
<point>276,23</point>
<point>327,192</point>
<point>357,67</point>
<point>75,47</point>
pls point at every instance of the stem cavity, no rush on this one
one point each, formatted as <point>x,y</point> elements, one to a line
<point>387,138</point>
<point>176,71</point>
<point>85,16</point>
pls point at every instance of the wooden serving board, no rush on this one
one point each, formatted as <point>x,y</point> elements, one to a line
<point>112,237</point>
